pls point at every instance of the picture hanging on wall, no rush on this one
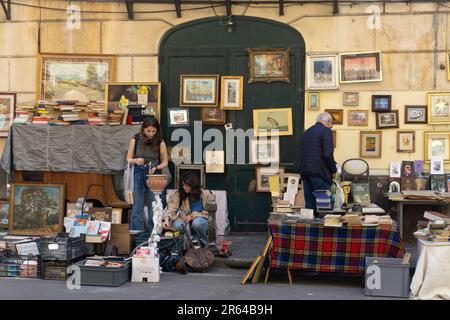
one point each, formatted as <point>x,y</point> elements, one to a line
<point>268,65</point>
<point>199,90</point>
<point>314,101</point>
<point>178,117</point>
<point>416,114</point>
<point>213,116</point>
<point>7,111</point>
<point>370,144</point>
<point>272,122</point>
<point>215,161</point>
<point>436,144</point>
<point>322,72</point>
<point>232,93</point>
<point>387,120</point>
<point>262,177</point>
<point>350,99</point>
<point>358,117</point>
<point>439,108</point>
<point>360,67</point>
<point>263,151</point>
<point>198,169</point>
<point>4,213</point>
<point>381,103</point>
<point>337,115</point>
<point>405,141</point>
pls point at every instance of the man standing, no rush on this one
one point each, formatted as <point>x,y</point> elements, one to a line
<point>317,165</point>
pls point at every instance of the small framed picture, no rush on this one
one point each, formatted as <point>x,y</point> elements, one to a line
<point>358,117</point>
<point>181,170</point>
<point>387,120</point>
<point>350,99</point>
<point>437,165</point>
<point>215,161</point>
<point>436,144</point>
<point>381,103</point>
<point>395,170</point>
<point>264,151</point>
<point>406,141</point>
<point>199,90</point>
<point>439,108</point>
<point>360,67</point>
<point>232,93</point>
<point>370,144</point>
<point>262,177</point>
<point>314,101</point>
<point>322,72</point>
<point>213,116</point>
<point>178,117</point>
<point>337,114</point>
<point>416,114</point>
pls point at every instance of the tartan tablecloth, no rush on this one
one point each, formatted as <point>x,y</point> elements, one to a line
<point>314,247</point>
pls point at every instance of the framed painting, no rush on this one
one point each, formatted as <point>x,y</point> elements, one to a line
<point>381,103</point>
<point>7,111</point>
<point>314,101</point>
<point>416,114</point>
<point>214,161</point>
<point>358,117</point>
<point>179,154</point>
<point>232,93</point>
<point>268,65</point>
<point>370,144</point>
<point>36,209</point>
<point>178,117</point>
<point>264,151</point>
<point>439,107</point>
<point>214,116</point>
<point>262,177</point>
<point>322,72</point>
<point>350,99</point>
<point>199,90</point>
<point>360,67</point>
<point>74,77</point>
<point>272,122</point>
<point>387,120</point>
<point>4,213</point>
<point>436,144</point>
<point>181,170</point>
<point>406,141</point>
<point>337,115</point>
<point>119,95</point>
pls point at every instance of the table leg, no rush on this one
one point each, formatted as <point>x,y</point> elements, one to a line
<point>289,276</point>
<point>400,217</point>
<point>267,275</point>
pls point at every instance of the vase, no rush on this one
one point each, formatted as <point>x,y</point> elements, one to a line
<point>142,99</point>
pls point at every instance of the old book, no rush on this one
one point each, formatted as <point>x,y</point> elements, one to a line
<point>438,182</point>
<point>421,182</point>
<point>101,214</point>
<point>434,215</point>
<point>407,183</point>
<point>93,227</point>
<point>361,193</point>
<point>407,168</point>
<point>418,166</point>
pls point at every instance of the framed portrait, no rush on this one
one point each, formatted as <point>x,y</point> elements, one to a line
<point>439,108</point>
<point>120,95</point>
<point>214,161</point>
<point>350,99</point>
<point>436,144</point>
<point>178,117</point>
<point>214,116</point>
<point>74,76</point>
<point>7,111</point>
<point>381,103</point>
<point>262,177</point>
<point>358,117</point>
<point>265,121</point>
<point>370,144</point>
<point>360,67</point>
<point>314,101</point>
<point>406,141</point>
<point>337,114</point>
<point>387,120</point>
<point>199,90</point>
<point>416,114</point>
<point>322,72</point>
<point>232,93</point>
<point>268,65</point>
<point>4,213</point>
<point>36,208</point>
<point>179,154</point>
<point>198,169</point>
<point>264,151</point>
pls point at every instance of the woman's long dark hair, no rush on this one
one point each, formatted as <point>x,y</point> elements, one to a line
<point>190,179</point>
<point>151,121</point>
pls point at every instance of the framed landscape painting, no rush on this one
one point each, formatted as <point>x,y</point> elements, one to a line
<point>358,117</point>
<point>439,108</point>
<point>387,120</point>
<point>416,114</point>
<point>232,95</point>
<point>322,72</point>
<point>381,103</point>
<point>360,67</point>
<point>199,90</point>
<point>370,144</point>
<point>178,117</point>
<point>272,122</point>
<point>7,112</point>
<point>268,65</point>
<point>437,144</point>
<point>350,99</point>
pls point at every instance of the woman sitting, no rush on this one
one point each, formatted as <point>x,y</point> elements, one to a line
<point>188,206</point>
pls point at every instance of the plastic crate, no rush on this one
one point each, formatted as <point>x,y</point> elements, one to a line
<point>56,270</point>
<point>104,276</point>
<point>62,248</point>
<point>20,266</point>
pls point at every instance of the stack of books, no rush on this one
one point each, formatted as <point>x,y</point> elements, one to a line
<point>370,220</point>
<point>24,114</point>
<point>282,206</point>
<point>115,118</point>
<point>386,219</point>
<point>333,220</point>
<point>353,219</point>
<point>323,200</point>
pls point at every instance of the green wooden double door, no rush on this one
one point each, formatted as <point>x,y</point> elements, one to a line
<point>206,47</point>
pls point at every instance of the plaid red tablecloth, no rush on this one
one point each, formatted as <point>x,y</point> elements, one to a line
<point>314,247</point>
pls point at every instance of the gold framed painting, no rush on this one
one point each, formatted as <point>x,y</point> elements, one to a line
<point>262,177</point>
<point>7,111</point>
<point>272,122</point>
<point>214,116</point>
<point>199,90</point>
<point>358,118</point>
<point>406,141</point>
<point>350,99</point>
<point>268,65</point>
<point>360,67</point>
<point>436,144</point>
<point>370,144</point>
<point>337,115</point>
<point>314,101</point>
<point>78,77</point>
<point>232,93</point>
<point>439,107</point>
<point>322,72</point>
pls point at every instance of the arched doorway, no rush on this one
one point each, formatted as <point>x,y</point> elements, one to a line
<point>206,47</point>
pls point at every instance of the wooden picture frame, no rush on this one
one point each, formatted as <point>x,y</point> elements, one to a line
<point>263,151</point>
<point>381,103</point>
<point>265,121</point>
<point>438,108</point>
<point>350,99</point>
<point>387,120</point>
<point>370,144</point>
<point>360,67</point>
<point>198,90</point>
<point>416,114</point>
<point>215,161</point>
<point>406,141</point>
<point>262,177</point>
<point>232,93</point>
<point>4,214</point>
<point>268,65</point>
<point>358,118</point>
<point>436,144</point>
<point>322,72</point>
<point>314,101</point>
<point>178,117</point>
<point>34,220</point>
<point>337,114</point>
<point>81,76</point>
<point>213,116</point>
<point>182,169</point>
<point>8,101</point>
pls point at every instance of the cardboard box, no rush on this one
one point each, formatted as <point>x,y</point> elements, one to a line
<point>121,238</point>
<point>145,269</point>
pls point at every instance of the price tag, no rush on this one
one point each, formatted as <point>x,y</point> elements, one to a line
<point>53,246</point>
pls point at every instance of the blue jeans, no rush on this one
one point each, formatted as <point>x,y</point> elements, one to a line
<point>141,192</point>
<point>311,184</point>
<point>199,226</point>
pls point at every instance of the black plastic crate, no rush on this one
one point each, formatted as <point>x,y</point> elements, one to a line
<point>20,266</point>
<point>62,248</point>
<point>104,276</point>
<point>56,270</point>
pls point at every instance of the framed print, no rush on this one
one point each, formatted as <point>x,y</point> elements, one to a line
<point>436,144</point>
<point>264,151</point>
<point>7,111</point>
<point>313,101</point>
<point>437,165</point>
<point>4,213</point>
<point>36,209</point>
<point>381,103</point>
<point>337,114</point>
<point>268,65</point>
<point>370,144</point>
<point>350,99</point>
<point>74,76</point>
<point>232,93</point>
<point>178,117</point>
<point>360,67</point>
<point>406,141</point>
<point>265,121</point>
<point>387,120</point>
<point>198,169</point>
<point>421,182</point>
<point>416,114</point>
<point>214,116</point>
<point>199,90</point>
<point>358,117</point>
<point>179,154</point>
<point>215,161</point>
<point>439,108</point>
<point>322,72</point>
<point>262,177</point>
<point>395,169</point>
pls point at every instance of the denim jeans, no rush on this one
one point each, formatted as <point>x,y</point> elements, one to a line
<point>199,226</point>
<point>311,184</point>
<point>141,193</point>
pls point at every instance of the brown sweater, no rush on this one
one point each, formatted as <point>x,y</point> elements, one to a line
<point>174,203</point>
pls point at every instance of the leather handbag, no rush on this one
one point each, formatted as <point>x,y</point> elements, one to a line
<point>197,258</point>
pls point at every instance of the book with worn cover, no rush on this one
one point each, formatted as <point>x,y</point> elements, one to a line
<point>421,182</point>
<point>438,183</point>
<point>418,166</point>
<point>407,168</point>
<point>407,183</point>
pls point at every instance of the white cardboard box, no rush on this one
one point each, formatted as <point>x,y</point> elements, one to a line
<point>145,269</point>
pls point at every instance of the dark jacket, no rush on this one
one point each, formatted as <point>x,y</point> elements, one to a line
<point>316,157</point>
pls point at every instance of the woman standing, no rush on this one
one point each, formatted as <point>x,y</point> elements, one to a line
<point>147,151</point>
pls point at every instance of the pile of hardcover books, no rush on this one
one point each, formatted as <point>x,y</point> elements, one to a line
<point>323,200</point>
